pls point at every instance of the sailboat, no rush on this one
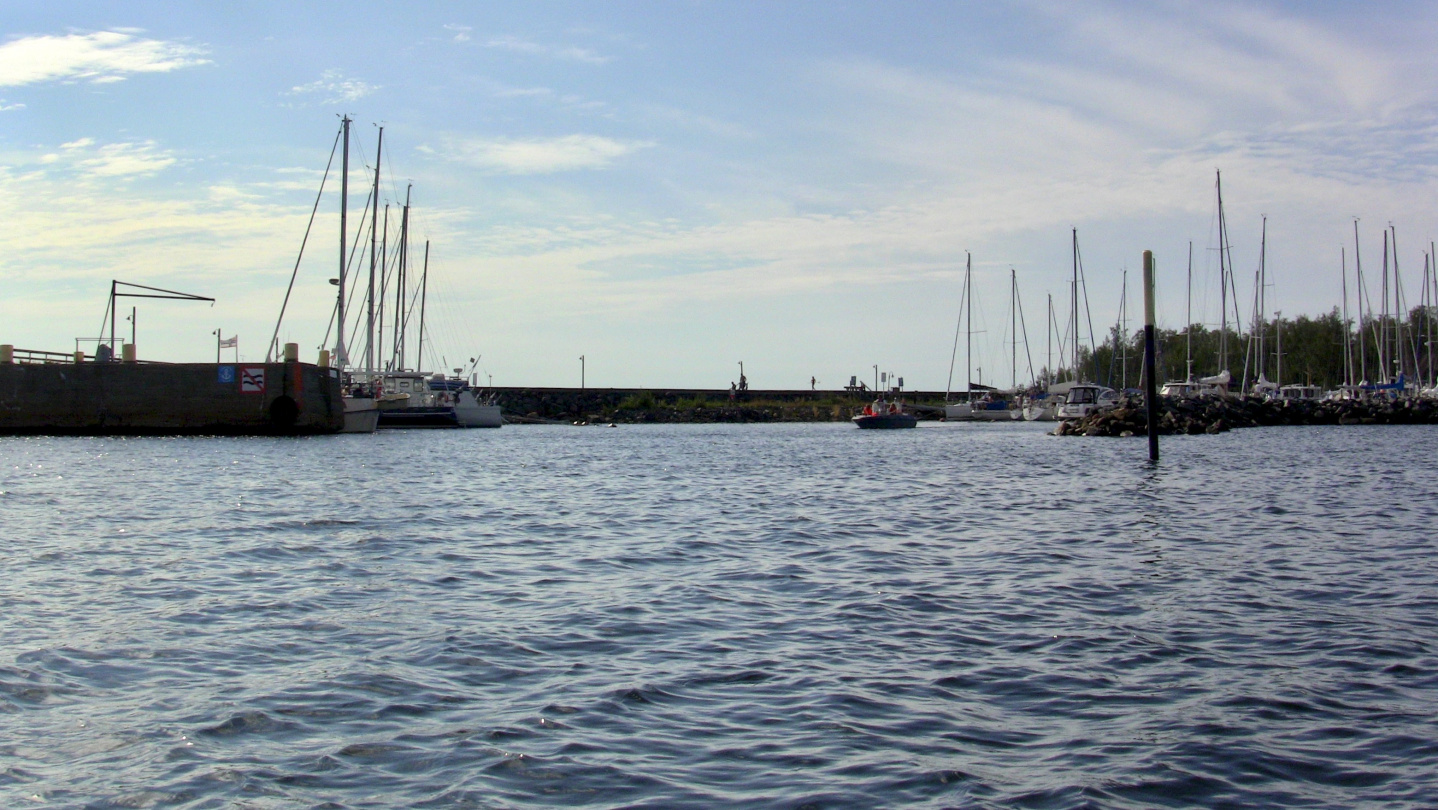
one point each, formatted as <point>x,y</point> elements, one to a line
<point>360,412</point>
<point>1188,387</point>
<point>1043,406</point>
<point>1004,406</point>
<point>406,397</point>
<point>964,410</point>
<point>1219,382</point>
<point>1081,398</point>
<point>1262,387</point>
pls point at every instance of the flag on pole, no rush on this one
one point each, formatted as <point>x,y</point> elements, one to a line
<point>230,342</point>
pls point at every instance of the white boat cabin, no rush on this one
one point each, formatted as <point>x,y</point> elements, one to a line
<point>1189,390</point>
<point>1297,393</point>
<point>1085,398</point>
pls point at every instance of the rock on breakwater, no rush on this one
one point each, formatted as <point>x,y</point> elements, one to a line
<point>1219,414</point>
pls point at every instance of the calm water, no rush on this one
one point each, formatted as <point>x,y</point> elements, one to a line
<point>720,616</point>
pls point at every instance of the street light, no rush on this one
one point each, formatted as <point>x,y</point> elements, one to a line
<point>876,376</point>
<point>581,372</point>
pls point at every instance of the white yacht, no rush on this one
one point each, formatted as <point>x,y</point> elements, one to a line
<point>1189,389</point>
<point>1086,398</point>
<point>1297,393</point>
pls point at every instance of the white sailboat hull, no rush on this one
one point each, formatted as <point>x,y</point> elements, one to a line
<point>361,415</point>
<point>473,414</point>
<point>958,411</point>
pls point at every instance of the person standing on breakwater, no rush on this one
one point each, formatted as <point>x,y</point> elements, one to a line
<point>813,382</point>
<point>733,390</point>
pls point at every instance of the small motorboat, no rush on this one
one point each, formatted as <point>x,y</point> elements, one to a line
<point>884,415</point>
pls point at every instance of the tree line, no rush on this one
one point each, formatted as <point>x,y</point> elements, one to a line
<point>1307,350</point>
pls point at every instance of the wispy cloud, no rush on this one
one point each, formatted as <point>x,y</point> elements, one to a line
<point>540,155</point>
<point>461,32</point>
<point>571,53</point>
<point>4,106</point>
<point>104,56</point>
<point>84,159</point>
<point>332,87</point>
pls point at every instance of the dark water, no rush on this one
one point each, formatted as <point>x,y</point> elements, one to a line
<point>720,616</point>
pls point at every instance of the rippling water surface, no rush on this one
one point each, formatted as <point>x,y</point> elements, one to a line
<point>710,616</point>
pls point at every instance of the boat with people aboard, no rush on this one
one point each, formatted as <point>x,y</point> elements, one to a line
<point>885,415</point>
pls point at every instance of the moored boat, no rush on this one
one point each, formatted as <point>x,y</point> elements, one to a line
<point>1297,393</point>
<point>996,407</point>
<point>361,415</point>
<point>1086,398</point>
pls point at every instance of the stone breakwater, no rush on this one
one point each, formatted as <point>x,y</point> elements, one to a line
<point>638,406</point>
<point>1219,414</point>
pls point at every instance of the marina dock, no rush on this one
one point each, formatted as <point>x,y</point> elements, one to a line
<point>130,398</point>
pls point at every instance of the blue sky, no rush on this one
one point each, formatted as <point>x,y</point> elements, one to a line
<point>671,188</point>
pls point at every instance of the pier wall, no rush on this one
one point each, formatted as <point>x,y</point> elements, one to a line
<point>688,404</point>
<point>169,399</point>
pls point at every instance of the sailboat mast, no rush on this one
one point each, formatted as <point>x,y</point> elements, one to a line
<point>1262,298</point>
<point>1222,279</point>
<point>423,296</point>
<point>1123,327</point>
<point>342,353</point>
<point>1430,289</point>
<point>1014,327</point>
<point>399,297</point>
<point>1188,328</point>
<point>1358,272</point>
<point>969,317</point>
<point>369,352</point>
<point>1049,362</point>
<point>1074,304</point>
<point>1400,303</point>
<point>1385,360</point>
<point>383,286</point>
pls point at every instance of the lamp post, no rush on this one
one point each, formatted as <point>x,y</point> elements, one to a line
<point>876,376</point>
<point>581,372</point>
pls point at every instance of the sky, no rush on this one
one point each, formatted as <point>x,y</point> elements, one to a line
<point>669,189</point>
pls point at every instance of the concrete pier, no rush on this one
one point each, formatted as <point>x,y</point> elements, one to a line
<point>131,398</point>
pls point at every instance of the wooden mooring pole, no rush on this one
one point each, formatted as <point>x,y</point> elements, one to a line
<point>1150,362</point>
